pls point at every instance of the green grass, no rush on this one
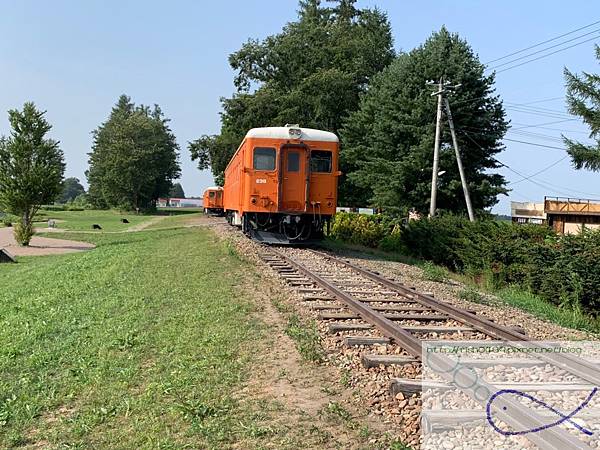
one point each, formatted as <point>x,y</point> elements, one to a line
<point>109,220</point>
<point>140,343</point>
<point>306,337</point>
<point>174,221</point>
<point>565,317</point>
<point>175,210</point>
<point>431,272</point>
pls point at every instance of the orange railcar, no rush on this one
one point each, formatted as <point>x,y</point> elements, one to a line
<point>281,184</point>
<point>213,200</point>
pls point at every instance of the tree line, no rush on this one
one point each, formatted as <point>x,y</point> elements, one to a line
<point>133,161</point>
<point>335,68</point>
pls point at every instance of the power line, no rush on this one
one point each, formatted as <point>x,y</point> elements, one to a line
<point>538,109</point>
<point>542,43</point>
<point>544,124</point>
<point>545,169</point>
<point>546,55</point>
<point>522,126</point>
<point>535,144</point>
<point>537,101</point>
<point>543,50</point>
<point>530,177</point>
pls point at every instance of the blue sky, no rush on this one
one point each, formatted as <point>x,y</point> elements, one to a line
<point>75,58</point>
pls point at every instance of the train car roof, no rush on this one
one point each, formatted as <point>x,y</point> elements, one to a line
<point>307,134</point>
<point>213,188</point>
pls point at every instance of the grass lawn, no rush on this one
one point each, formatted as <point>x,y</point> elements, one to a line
<point>109,220</point>
<point>176,220</point>
<point>140,343</point>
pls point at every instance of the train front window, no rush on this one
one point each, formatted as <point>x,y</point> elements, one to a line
<point>264,158</point>
<point>211,194</point>
<point>320,161</point>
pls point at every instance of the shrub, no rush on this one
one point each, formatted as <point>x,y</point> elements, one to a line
<point>8,219</point>
<point>357,229</point>
<point>563,270</point>
<point>471,295</point>
<point>431,272</point>
<point>23,232</point>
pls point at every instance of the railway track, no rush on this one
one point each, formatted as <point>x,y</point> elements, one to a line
<point>366,308</point>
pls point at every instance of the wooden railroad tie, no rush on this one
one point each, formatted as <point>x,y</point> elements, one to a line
<point>409,386</point>
<point>336,327</point>
<point>351,315</point>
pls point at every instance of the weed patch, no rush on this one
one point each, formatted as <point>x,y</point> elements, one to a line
<point>306,337</point>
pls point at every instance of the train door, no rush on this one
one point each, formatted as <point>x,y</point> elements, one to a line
<point>293,178</point>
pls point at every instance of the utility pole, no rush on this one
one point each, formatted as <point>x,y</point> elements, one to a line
<point>436,149</point>
<point>463,179</point>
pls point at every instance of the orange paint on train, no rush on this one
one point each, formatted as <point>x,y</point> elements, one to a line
<point>283,173</point>
<point>213,200</point>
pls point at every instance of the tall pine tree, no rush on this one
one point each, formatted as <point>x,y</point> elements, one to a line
<point>583,100</point>
<point>311,73</point>
<point>134,158</point>
<point>387,145</point>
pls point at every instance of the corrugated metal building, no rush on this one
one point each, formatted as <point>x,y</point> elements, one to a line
<point>572,215</point>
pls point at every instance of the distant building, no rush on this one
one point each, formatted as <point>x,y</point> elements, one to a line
<point>572,215</point>
<point>367,211</point>
<point>179,202</point>
<point>527,212</point>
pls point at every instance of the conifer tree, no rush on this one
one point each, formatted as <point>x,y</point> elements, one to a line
<point>583,100</point>
<point>387,144</point>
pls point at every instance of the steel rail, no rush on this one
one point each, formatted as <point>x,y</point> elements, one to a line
<point>576,366</point>
<point>553,438</point>
<point>404,338</point>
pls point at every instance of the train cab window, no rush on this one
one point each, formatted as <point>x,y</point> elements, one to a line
<point>211,194</point>
<point>320,161</point>
<point>293,162</point>
<point>264,158</point>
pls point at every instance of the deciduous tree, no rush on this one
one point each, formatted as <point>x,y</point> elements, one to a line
<point>177,191</point>
<point>71,188</point>
<point>134,158</point>
<point>31,168</point>
<point>311,73</point>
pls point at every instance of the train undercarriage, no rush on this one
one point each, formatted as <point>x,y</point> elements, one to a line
<point>281,228</point>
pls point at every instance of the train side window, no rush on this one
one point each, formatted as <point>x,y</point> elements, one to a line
<point>264,158</point>
<point>293,162</point>
<point>320,161</point>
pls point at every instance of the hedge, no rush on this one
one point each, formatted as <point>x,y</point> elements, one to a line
<point>564,270</point>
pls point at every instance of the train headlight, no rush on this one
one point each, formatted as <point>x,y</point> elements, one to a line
<point>295,133</point>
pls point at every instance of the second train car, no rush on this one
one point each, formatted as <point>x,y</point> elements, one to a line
<point>281,184</point>
<point>213,200</point>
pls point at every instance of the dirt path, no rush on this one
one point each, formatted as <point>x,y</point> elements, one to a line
<point>40,245</point>
<point>146,224</point>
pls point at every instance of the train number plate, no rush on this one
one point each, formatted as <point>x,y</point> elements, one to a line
<point>261,181</point>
